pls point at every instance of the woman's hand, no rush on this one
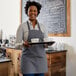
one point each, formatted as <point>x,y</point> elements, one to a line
<point>26,44</point>
<point>45,45</point>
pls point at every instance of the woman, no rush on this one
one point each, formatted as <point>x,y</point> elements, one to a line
<point>33,58</point>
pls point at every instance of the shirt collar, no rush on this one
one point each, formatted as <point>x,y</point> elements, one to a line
<point>31,22</point>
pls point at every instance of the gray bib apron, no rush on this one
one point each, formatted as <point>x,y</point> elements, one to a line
<point>33,59</point>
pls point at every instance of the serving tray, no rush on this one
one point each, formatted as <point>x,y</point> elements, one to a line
<point>49,43</point>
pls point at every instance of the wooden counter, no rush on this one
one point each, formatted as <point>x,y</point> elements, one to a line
<point>14,55</point>
<point>4,66</point>
<point>56,62</point>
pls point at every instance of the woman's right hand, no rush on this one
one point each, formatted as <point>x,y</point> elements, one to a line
<point>26,44</point>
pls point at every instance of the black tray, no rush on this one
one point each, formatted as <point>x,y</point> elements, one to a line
<point>49,43</point>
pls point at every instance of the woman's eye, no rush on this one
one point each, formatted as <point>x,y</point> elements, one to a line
<point>35,11</point>
<point>32,11</point>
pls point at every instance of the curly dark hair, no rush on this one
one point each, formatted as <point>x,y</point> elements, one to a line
<point>30,3</point>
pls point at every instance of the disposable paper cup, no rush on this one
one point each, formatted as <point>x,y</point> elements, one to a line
<point>34,40</point>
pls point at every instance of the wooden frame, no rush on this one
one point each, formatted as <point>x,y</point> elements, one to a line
<point>68,31</point>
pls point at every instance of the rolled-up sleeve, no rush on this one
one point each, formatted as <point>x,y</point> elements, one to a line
<point>19,38</point>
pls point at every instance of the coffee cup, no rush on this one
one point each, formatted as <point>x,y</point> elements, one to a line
<point>34,40</point>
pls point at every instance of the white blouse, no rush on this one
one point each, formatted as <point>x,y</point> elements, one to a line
<point>22,32</point>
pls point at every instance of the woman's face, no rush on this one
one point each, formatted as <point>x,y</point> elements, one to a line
<point>32,12</point>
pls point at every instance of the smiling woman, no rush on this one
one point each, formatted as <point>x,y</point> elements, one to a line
<point>33,57</point>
